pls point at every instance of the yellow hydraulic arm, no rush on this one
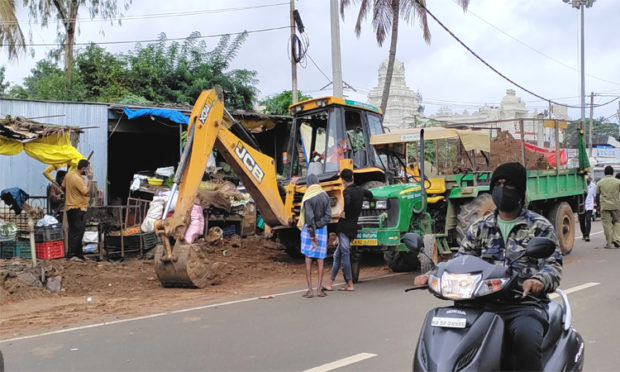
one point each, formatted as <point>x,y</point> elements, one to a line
<point>207,128</point>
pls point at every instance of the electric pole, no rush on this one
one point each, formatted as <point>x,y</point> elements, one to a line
<point>293,62</point>
<point>590,130</point>
<point>336,63</point>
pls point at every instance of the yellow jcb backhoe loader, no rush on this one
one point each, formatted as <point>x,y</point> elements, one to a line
<point>327,135</point>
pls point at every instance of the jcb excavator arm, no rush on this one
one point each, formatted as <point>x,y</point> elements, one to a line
<point>185,264</point>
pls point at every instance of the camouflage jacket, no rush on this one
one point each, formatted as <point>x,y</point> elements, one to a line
<point>484,239</point>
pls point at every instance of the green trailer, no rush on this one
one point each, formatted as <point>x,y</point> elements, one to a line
<point>443,210</point>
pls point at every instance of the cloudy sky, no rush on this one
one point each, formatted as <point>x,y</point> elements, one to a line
<point>533,42</point>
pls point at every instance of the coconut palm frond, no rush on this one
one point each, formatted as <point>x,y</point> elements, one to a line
<point>382,19</point>
<point>420,13</point>
<point>11,34</point>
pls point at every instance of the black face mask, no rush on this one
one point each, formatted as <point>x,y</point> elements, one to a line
<point>506,200</point>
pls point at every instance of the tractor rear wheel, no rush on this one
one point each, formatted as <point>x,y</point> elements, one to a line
<point>470,212</point>
<point>561,217</point>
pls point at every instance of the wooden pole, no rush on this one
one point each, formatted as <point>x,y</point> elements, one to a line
<point>293,63</point>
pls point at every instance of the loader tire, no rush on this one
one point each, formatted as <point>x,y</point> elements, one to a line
<point>470,212</point>
<point>290,239</point>
<point>400,261</point>
<point>429,256</point>
<point>561,217</point>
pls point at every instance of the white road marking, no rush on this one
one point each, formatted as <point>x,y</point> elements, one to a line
<point>170,312</point>
<point>342,362</point>
<point>596,233</point>
<point>574,289</point>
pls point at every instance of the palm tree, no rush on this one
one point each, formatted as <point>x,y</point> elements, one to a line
<point>11,34</point>
<point>385,17</point>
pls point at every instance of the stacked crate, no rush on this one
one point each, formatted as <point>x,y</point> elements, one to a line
<point>49,242</point>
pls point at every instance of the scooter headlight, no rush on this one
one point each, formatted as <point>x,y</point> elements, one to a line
<point>459,286</point>
<point>491,286</point>
<point>434,284</point>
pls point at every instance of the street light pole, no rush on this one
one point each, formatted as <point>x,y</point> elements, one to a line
<point>583,79</point>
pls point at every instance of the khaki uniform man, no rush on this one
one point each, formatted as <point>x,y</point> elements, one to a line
<point>608,189</point>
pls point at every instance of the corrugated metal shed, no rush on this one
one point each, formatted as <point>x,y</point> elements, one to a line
<point>25,172</point>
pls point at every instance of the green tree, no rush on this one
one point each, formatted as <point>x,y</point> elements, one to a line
<point>278,105</point>
<point>172,72</point>
<point>385,18</point>
<point>48,82</point>
<point>104,75</point>
<point>66,12</point>
<point>600,127</point>
<point>3,85</point>
<point>11,34</point>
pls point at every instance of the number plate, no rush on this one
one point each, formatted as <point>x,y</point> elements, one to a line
<point>448,322</point>
<point>364,242</point>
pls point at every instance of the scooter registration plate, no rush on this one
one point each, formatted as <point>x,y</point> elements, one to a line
<point>448,322</point>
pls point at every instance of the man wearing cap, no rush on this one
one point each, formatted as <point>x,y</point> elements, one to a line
<point>503,235</point>
<point>608,190</point>
<point>347,229</point>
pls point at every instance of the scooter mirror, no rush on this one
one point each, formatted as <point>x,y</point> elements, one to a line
<point>413,241</point>
<point>539,247</point>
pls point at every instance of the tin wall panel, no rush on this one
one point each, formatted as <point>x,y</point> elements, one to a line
<point>25,172</point>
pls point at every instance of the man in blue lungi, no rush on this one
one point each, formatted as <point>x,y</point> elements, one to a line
<point>313,219</point>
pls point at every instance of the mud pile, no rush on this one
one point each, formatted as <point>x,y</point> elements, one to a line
<point>504,148</point>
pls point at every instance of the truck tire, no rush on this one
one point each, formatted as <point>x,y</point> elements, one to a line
<point>561,217</point>
<point>470,212</point>
<point>290,239</point>
<point>429,255</point>
<point>400,261</point>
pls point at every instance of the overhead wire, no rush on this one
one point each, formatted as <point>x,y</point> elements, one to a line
<point>493,68</point>
<point>469,11</point>
<point>154,15</point>
<point>153,40</point>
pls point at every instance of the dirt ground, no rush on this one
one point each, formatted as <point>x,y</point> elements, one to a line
<point>92,291</point>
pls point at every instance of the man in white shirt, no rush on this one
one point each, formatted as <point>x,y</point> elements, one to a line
<point>585,219</point>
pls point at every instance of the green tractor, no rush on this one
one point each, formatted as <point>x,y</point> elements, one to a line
<point>452,198</point>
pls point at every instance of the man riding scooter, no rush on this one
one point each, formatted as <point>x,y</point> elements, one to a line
<point>502,236</point>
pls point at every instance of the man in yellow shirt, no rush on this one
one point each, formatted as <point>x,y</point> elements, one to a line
<point>77,193</point>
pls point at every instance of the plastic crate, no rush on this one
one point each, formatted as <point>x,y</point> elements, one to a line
<point>48,233</point>
<point>50,250</point>
<point>149,240</point>
<point>22,249</point>
<point>7,249</point>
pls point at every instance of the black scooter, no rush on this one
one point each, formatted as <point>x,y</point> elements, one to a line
<point>465,337</point>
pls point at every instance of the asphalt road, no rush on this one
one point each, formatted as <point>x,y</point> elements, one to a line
<point>373,329</point>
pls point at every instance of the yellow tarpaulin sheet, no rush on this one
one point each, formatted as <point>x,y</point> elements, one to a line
<point>53,149</point>
<point>472,139</point>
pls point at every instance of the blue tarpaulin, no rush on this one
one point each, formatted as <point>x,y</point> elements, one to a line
<point>172,115</point>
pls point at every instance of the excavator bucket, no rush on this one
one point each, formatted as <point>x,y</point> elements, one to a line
<point>188,266</point>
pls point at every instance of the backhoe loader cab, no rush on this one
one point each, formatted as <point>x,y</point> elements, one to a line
<point>327,130</point>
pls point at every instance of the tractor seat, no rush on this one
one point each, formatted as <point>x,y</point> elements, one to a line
<point>438,186</point>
